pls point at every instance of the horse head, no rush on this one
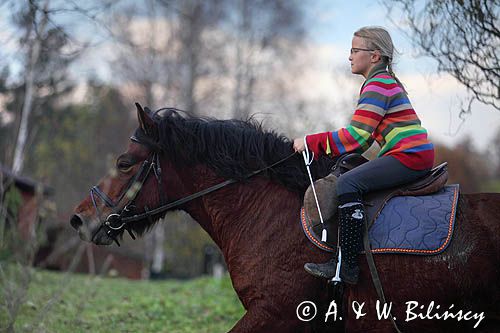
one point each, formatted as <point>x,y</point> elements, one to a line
<point>124,198</point>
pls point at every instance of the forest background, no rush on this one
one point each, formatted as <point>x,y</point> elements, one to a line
<point>70,73</point>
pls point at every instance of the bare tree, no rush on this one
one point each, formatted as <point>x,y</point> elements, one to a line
<point>495,154</point>
<point>148,61</point>
<point>46,50</point>
<point>463,36</point>
<point>267,33</point>
<point>35,31</point>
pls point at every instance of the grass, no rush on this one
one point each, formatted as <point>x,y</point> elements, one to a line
<point>93,304</point>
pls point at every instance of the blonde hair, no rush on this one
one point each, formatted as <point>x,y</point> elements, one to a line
<point>378,38</point>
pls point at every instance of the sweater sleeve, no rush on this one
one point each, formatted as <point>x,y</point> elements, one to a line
<point>357,136</point>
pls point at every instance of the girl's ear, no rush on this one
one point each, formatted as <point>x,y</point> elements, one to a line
<point>146,121</point>
<point>376,56</point>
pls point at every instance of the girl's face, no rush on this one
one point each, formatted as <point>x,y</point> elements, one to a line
<point>361,57</point>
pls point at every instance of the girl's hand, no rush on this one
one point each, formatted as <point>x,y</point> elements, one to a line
<point>298,145</point>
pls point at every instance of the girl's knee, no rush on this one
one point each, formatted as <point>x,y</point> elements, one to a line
<point>345,185</point>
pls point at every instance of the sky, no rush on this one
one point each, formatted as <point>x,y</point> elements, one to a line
<point>436,98</point>
<point>331,24</point>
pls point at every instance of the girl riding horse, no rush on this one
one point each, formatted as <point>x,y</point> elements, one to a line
<point>383,114</point>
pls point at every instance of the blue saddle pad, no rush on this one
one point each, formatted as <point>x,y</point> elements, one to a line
<point>421,225</point>
<point>416,224</point>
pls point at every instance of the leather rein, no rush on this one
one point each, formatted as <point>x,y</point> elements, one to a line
<point>121,219</point>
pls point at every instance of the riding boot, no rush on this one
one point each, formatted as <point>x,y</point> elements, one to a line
<point>351,217</point>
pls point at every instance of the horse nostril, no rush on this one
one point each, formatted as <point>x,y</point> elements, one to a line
<point>76,222</point>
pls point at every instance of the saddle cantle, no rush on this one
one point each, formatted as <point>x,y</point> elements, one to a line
<point>374,202</point>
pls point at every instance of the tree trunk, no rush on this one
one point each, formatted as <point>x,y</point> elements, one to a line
<point>159,251</point>
<point>34,54</point>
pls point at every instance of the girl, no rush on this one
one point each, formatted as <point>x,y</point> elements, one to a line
<point>383,114</point>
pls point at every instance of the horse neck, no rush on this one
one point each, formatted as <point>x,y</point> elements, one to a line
<point>239,212</point>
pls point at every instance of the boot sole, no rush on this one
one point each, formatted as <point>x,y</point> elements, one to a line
<point>317,273</point>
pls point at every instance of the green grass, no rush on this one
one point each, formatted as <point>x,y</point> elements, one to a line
<point>90,304</point>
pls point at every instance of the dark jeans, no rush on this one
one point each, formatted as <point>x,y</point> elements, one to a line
<point>377,174</point>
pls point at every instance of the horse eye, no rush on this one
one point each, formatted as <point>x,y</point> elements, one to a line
<point>123,165</point>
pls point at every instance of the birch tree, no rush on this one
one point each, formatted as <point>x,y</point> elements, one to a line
<point>35,32</point>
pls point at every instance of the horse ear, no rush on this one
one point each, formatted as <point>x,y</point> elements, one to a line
<point>146,123</point>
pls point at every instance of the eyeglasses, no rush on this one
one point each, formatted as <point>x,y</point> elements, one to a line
<point>356,50</point>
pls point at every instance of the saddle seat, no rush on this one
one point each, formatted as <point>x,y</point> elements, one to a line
<point>374,202</point>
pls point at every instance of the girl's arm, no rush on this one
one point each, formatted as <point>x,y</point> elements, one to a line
<point>358,135</point>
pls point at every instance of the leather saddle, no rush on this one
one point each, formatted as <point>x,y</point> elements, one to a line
<point>374,201</point>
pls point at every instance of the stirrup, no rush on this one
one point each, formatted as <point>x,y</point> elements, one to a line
<point>336,279</point>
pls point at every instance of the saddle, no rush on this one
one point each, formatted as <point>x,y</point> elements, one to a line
<point>375,201</point>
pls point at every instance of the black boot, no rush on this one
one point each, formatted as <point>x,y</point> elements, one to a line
<point>326,270</point>
<point>352,218</point>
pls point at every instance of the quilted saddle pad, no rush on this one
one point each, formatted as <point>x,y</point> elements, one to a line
<point>421,225</point>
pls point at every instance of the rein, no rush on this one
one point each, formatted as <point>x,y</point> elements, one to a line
<point>121,219</point>
<point>190,197</point>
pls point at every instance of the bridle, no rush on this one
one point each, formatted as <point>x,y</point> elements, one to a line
<point>120,219</point>
<point>117,219</point>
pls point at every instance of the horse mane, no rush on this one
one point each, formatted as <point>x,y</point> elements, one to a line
<point>234,148</point>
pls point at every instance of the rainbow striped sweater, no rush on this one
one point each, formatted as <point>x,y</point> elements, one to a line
<point>384,113</point>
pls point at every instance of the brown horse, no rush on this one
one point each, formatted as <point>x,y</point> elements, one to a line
<point>255,222</point>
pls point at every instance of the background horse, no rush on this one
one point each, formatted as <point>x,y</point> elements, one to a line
<point>255,222</point>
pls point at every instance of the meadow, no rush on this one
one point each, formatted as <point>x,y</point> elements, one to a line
<point>81,303</point>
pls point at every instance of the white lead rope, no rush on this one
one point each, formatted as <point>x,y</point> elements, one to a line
<point>308,160</point>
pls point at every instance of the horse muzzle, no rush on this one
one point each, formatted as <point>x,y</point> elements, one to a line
<point>87,233</point>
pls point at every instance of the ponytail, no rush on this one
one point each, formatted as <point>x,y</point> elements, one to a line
<point>391,72</point>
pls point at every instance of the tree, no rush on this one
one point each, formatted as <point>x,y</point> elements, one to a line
<point>267,33</point>
<point>168,56</point>
<point>35,30</point>
<point>46,48</point>
<point>463,36</point>
<point>44,78</point>
<point>466,166</point>
<point>78,143</point>
<point>196,17</point>
<point>495,152</point>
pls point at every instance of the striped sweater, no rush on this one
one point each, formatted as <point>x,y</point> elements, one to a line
<point>384,114</point>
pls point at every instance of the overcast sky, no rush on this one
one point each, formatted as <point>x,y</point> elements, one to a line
<point>435,97</point>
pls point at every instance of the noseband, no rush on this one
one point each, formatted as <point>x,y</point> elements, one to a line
<point>120,218</point>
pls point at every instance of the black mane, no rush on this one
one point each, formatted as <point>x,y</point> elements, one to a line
<point>234,148</point>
